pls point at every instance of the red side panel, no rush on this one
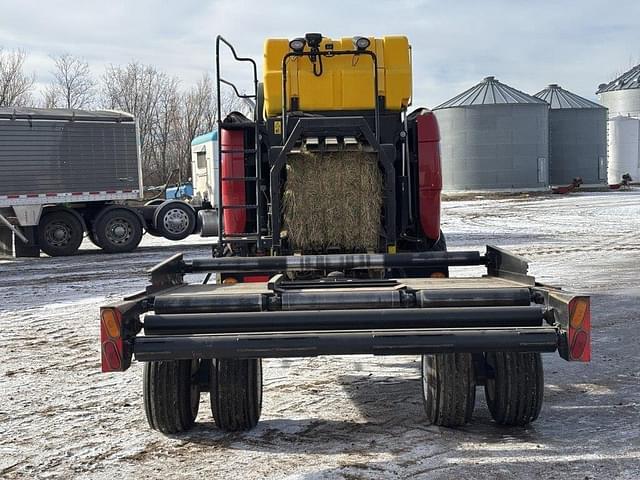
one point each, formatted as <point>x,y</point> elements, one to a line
<point>429,174</point>
<point>233,191</point>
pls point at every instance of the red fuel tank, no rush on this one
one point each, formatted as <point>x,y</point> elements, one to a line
<point>233,190</point>
<point>429,173</point>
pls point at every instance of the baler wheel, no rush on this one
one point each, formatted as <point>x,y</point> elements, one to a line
<point>236,393</point>
<point>448,388</point>
<point>171,394</point>
<point>514,387</point>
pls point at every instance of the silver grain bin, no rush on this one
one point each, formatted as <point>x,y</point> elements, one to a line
<point>577,137</point>
<point>622,95</point>
<point>624,148</point>
<point>494,137</point>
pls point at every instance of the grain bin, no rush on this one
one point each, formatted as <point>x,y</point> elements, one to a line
<point>624,148</point>
<point>577,137</point>
<point>494,137</point>
<point>622,95</point>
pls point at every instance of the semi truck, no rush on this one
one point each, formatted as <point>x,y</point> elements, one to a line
<point>69,173</point>
<point>281,283</point>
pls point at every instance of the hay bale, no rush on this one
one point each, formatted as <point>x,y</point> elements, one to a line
<point>333,199</point>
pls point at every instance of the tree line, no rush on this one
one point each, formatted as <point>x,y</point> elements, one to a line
<point>168,116</point>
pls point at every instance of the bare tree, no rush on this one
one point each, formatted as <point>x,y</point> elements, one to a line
<point>73,86</point>
<point>197,117</point>
<point>15,85</point>
<point>149,95</point>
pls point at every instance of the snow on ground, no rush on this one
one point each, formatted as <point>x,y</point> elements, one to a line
<point>330,417</point>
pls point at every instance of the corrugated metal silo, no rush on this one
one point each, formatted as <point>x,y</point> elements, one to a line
<point>624,148</point>
<point>577,137</point>
<point>622,95</point>
<point>494,137</point>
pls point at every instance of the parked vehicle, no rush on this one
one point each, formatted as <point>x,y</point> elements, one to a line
<point>67,173</point>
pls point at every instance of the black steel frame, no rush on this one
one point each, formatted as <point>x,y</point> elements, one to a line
<point>256,135</point>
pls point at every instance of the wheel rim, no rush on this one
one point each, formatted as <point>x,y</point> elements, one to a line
<point>58,234</point>
<point>119,231</point>
<point>175,221</point>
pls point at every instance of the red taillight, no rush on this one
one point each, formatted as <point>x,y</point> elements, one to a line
<point>111,358</point>
<point>579,334</point>
<point>111,340</point>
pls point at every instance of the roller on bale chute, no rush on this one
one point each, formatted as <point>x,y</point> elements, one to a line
<point>338,251</point>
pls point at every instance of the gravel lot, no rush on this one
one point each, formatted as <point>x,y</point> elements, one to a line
<point>330,417</point>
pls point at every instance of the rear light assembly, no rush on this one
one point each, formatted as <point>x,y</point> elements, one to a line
<point>579,331</point>
<point>115,358</point>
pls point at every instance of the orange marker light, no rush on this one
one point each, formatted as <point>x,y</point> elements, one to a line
<point>111,323</point>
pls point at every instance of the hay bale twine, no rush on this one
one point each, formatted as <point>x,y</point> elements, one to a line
<point>333,200</point>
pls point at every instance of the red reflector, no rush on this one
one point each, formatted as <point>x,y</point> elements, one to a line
<point>580,340</point>
<point>111,360</point>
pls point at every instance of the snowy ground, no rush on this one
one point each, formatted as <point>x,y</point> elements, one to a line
<point>330,417</point>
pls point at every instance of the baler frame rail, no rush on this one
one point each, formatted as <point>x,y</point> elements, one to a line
<point>505,310</point>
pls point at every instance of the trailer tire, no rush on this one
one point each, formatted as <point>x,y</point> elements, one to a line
<point>171,394</point>
<point>514,387</point>
<point>448,388</point>
<point>118,230</point>
<point>60,233</point>
<point>175,220</point>
<point>236,393</point>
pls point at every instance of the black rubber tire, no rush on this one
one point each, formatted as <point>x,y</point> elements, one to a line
<point>69,226</point>
<point>171,396</point>
<point>92,238</point>
<point>448,388</point>
<point>236,393</point>
<point>514,388</point>
<point>107,237</point>
<point>188,214</point>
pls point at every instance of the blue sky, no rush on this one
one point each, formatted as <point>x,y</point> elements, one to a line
<point>526,44</point>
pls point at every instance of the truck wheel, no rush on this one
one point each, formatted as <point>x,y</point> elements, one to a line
<point>171,394</point>
<point>118,230</point>
<point>59,233</point>
<point>448,388</point>
<point>175,221</point>
<point>514,387</point>
<point>236,393</point>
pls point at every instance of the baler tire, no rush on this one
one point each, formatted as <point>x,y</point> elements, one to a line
<point>448,388</point>
<point>514,389</point>
<point>171,395</point>
<point>236,393</point>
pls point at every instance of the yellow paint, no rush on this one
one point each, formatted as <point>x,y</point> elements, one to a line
<point>391,249</point>
<point>347,81</point>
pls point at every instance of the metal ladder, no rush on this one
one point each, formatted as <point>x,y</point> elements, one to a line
<point>255,153</point>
